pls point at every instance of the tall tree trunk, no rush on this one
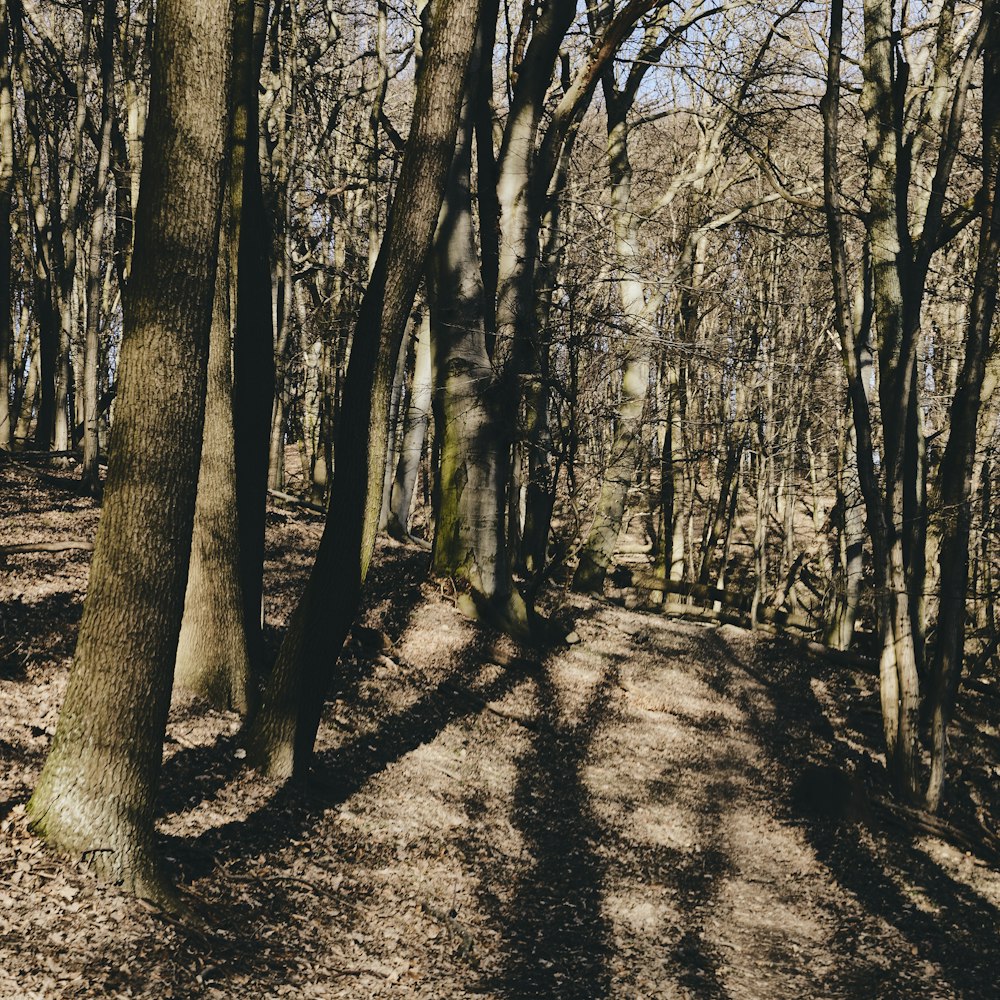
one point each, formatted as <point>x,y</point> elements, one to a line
<point>90,473</point>
<point>598,550</point>
<point>6,199</point>
<point>212,656</point>
<point>253,349</point>
<point>96,793</point>
<point>960,452</point>
<point>282,735</point>
<point>469,538</point>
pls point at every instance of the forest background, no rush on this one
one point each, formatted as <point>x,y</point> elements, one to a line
<point>511,283</point>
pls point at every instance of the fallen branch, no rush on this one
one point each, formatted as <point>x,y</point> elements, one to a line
<point>7,550</point>
<point>297,501</point>
<point>738,602</point>
<point>502,713</point>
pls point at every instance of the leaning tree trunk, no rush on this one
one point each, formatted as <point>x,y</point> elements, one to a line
<point>95,796</point>
<point>281,737</point>
<point>960,452</point>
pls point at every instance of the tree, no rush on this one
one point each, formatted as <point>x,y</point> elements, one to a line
<point>281,737</point>
<point>96,793</point>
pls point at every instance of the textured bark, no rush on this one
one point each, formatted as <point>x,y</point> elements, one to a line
<point>598,549</point>
<point>852,540</point>
<point>281,737</point>
<point>469,538</point>
<point>418,414</point>
<point>960,452</point>
<point>96,792</point>
<point>213,659</point>
<point>6,196</point>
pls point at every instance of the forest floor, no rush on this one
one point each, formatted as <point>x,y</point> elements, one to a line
<point>661,809</point>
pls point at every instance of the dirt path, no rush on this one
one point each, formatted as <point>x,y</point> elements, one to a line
<point>626,817</point>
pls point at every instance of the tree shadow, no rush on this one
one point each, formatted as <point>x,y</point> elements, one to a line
<point>43,630</point>
<point>893,880</point>
<point>341,772</point>
<point>556,936</point>
<point>196,774</point>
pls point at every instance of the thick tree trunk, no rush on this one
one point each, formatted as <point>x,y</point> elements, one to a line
<point>469,538</point>
<point>282,735</point>
<point>96,793</point>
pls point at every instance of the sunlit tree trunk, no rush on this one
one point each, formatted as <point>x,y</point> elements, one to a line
<point>281,737</point>
<point>414,434</point>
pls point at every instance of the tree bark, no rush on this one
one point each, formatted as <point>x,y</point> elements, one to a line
<point>960,452</point>
<point>253,348</point>
<point>95,795</point>
<point>281,737</point>
<point>90,473</point>
<point>213,660</point>
<point>414,434</point>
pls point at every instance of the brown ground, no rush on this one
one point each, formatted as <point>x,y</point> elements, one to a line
<point>660,810</point>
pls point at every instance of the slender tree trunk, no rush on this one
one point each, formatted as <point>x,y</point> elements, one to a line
<point>282,735</point>
<point>598,550</point>
<point>253,355</point>
<point>90,472</point>
<point>852,540</point>
<point>96,793</point>
<point>414,434</point>
<point>960,452</point>
<point>6,199</point>
<point>212,655</point>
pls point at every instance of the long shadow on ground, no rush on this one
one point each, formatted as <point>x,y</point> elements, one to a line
<point>233,854</point>
<point>192,775</point>
<point>959,937</point>
<point>340,773</point>
<point>556,937</point>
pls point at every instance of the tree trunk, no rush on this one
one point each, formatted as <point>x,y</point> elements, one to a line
<point>598,550</point>
<point>253,349</point>
<point>469,538</point>
<point>212,655</point>
<point>960,452</point>
<point>90,473</point>
<point>414,434</point>
<point>96,793</point>
<point>282,735</point>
